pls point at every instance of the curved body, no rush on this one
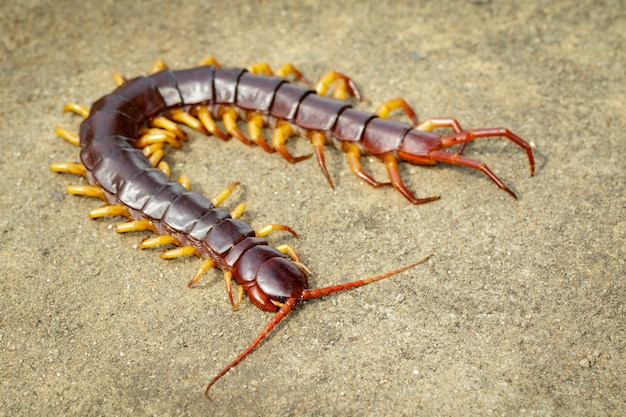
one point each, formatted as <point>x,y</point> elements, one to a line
<point>107,138</point>
<point>128,180</point>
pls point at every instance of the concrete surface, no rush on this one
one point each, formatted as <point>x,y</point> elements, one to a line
<point>521,311</point>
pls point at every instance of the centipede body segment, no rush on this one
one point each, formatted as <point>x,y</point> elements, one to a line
<point>124,133</point>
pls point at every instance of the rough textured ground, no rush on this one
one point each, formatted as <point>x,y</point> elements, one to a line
<point>521,311</point>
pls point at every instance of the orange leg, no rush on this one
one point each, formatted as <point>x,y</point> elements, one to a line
<point>208,122</point>
<point>392,169</point>
<point>319,140</point>
<point>185,118</point>
<point>353,154</point>
<point>255,124</point>
<point>458,159</point>
<point>228,279</point>
<point>281,134</point>
<point>206,265</point>
<point>470,135</point>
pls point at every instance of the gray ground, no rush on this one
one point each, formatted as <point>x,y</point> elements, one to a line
<point>521,311</point>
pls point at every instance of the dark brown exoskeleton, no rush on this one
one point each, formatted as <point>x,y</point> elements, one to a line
<point>122,141</point>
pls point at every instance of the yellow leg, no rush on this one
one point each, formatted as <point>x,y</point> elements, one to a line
<point>238,211</point>
<point>158,241</point>
<point>153,138</point>
<point>135,226</point>
<point>280,136</point>
<point>397,103</point>
<point>148,150</point>
<point>184,181</point>
<point>69,168</point>
<point>209,60</point>
<point>167,124</point>
<point>153,135</point>
<point>255,124</point>
<point>289,69</point>
<point>71,137</point>
<point>86,190</point>
<point>353,153</point>
<point>284,71</point>
<point>260,68</point>
<point>158,65</point>
<point>289,250</point>
<point>165,167</point>
<point>228,278</point>
<point>206,265</point>
<point>187,119</point>
<point>209,124</point>
<point>346,86</point>
<point>79,109</point>
<point>118,78</point>
<point>117,210</point>
<point>223,195</point>
<point>239,298</point>
<point>178,252</point>
<point>229,117</point>
<point>156,157</point>
<point>266,230</point>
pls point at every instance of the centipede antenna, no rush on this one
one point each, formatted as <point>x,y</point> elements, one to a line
<point>322,292</point>
<point>284,310</point>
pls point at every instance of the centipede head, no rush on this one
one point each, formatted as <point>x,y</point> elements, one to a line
<point>280,279</point>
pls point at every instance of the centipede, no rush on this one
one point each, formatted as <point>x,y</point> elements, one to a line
<point>124,134</point>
